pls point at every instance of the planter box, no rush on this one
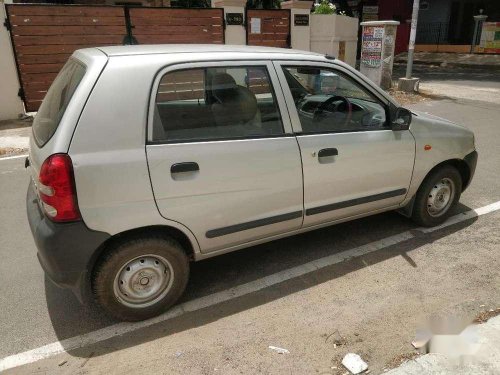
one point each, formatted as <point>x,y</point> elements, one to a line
<point>335,35</point>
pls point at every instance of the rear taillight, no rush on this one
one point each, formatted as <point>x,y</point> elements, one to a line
<point>57,188</point>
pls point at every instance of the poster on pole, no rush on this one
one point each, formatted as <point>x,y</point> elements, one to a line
<point>371,47</point>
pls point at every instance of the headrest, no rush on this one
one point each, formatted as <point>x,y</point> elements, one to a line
<point>223,81</point>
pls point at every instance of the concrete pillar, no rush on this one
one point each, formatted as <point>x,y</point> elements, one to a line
<point>10,104</point>
<point>377,51</point>
<point>234,34</point>
<point>300,26</point>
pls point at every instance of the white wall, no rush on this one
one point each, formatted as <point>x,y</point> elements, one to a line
<point>300,35</point>
<point>10,104</point>
<point>234,34</point>
<point>328,30</point>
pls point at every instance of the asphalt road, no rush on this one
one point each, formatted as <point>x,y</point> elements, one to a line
<point>463,83</point>
<point>35,313</point>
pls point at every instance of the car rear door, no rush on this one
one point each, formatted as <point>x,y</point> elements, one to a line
<point>353,162</point>
<point>222,156</point>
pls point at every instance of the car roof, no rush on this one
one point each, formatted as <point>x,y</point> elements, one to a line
<point>145,49</point>
<point>225,51</point>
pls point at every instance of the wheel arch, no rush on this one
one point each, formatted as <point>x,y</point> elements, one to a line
<point>163,230</point>
<point>460,165</point>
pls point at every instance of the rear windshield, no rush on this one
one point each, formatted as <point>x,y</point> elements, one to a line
<point>57,99</point>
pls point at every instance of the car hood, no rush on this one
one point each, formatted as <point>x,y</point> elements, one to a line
<point>435,119</point>
<point>428,127</point>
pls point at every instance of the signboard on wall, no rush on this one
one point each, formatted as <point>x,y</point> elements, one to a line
<point>234,18</point>
<point>490,38</point>
<point>371,47</point>
<point>370,13</point>
<point>301,20</point>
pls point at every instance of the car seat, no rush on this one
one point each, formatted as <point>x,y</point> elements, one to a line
<point>234,104</point>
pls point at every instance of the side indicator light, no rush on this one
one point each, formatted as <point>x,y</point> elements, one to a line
<point>427,147</point>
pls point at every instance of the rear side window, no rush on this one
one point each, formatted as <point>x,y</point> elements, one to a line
<point>215,103</point>
<point>56,101</point>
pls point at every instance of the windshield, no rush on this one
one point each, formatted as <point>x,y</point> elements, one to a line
<point>57,99</point>
<point>305,82</point>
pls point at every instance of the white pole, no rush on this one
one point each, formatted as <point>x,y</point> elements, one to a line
<point>413,33</point>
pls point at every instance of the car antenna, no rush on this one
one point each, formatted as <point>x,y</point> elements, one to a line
<point>329,57</point>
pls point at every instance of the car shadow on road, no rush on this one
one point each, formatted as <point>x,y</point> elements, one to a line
<point>70,318</point>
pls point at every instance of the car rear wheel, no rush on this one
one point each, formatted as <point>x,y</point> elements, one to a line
<point>141,277</point>
<point>437,196</point>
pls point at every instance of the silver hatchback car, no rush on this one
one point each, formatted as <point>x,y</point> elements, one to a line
<point>144,158</point>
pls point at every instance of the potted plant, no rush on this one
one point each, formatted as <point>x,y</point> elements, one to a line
<point>331,28</point>
<point>325,7</point>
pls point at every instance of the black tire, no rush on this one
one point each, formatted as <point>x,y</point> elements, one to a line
<point>420,212</point>
<point>125,251</point>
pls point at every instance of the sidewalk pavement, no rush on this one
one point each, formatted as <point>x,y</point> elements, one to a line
<point>485,361</point>
<point>462,60</point>
<point>14,137</point>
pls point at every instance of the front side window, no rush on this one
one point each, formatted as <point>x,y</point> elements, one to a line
<point>329,101</point>
<point>215,103</point>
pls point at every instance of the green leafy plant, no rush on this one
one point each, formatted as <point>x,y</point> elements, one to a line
<point>324,8</point>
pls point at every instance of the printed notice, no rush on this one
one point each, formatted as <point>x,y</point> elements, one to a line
<point>371,48</point>
<point>255,26</point>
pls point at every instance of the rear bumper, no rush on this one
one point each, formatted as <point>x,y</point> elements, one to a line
<point>471,161</point>
<point>65,250</point>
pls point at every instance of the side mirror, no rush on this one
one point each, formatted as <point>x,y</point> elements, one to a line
<point>401,120</point>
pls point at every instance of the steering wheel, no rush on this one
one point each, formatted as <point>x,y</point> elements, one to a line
<point>337,98</point>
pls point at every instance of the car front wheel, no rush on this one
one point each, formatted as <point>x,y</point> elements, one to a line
<point>437,196</point>
<point>141,277</point>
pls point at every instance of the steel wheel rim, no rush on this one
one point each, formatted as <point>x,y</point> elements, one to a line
<point>143,281</point>
<point>441,197</point>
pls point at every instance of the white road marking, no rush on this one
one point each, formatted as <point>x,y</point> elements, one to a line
<point>14,141</point>
<point>13,157</point>
<point>119,329</point>
<point>464,216</point>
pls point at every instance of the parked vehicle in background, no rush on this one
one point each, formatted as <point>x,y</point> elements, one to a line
<point>144,158</point>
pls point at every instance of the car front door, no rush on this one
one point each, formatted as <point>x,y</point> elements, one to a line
<point>353,163</point>
<point>223,160</point>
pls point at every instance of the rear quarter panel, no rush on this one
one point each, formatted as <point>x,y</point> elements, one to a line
<point>108,150</point>
<point>94,61</point>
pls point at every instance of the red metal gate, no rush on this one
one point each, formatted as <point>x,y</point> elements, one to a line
<point>44,36</point>
<point>268,27</point>
<point>168,25</point>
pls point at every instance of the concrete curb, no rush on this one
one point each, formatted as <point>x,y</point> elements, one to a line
<point>486,360</point>
<point>7,153</point>
<point>494,68</point>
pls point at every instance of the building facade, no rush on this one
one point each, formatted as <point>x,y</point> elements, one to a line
<point>445,25</point>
